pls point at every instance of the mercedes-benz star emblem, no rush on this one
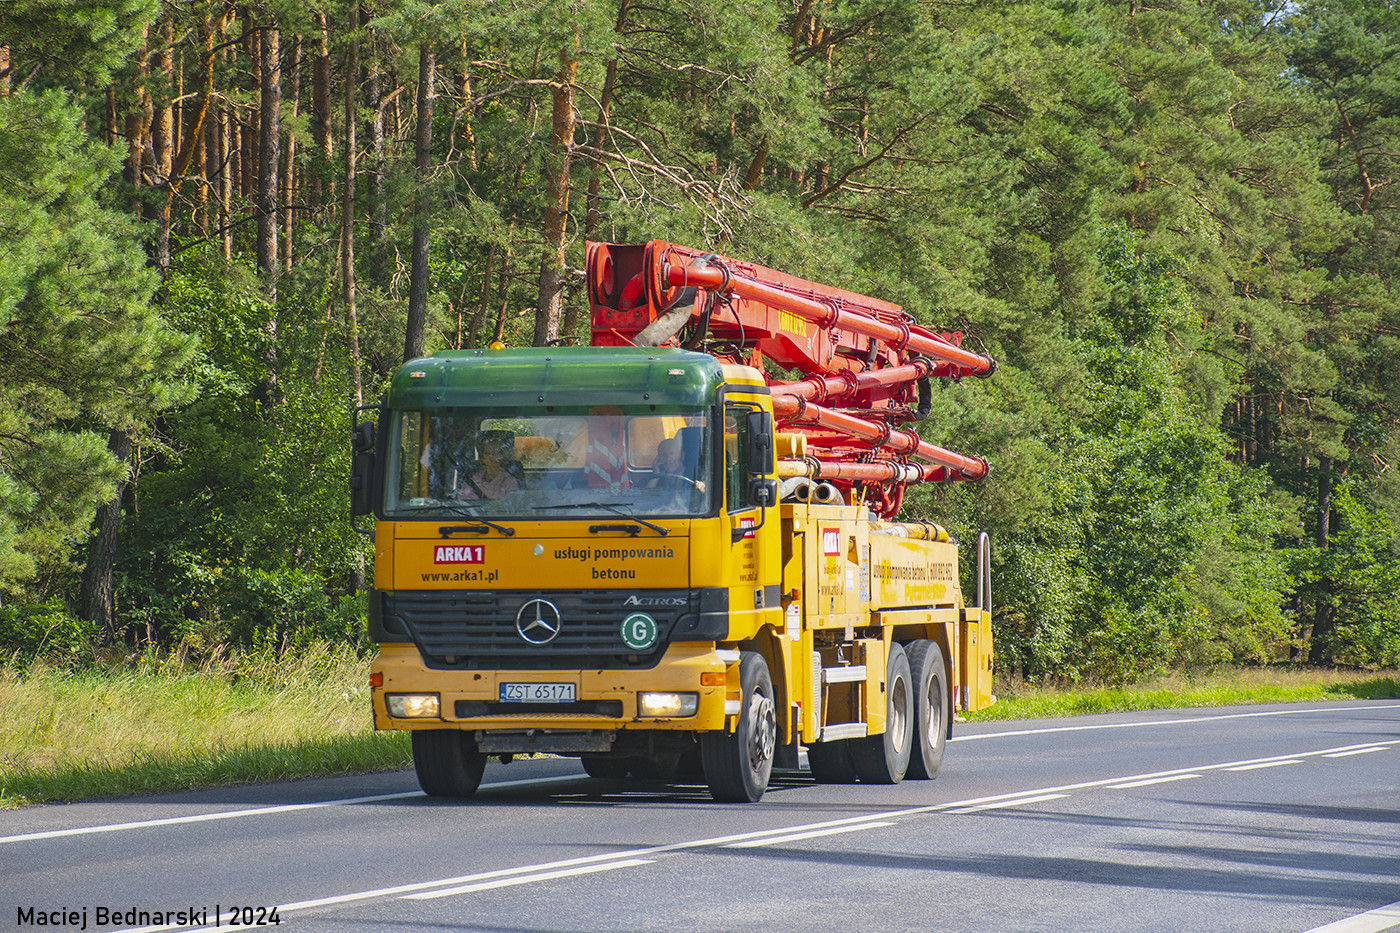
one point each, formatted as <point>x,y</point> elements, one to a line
<point>538,621</point>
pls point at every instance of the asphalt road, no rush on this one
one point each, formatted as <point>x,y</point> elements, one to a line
<point>1252,819</point>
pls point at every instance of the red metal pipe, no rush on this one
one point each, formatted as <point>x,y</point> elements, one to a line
<point>897,334</point>
<point>880,471</point>
<point>817,388</point>
<point>794,409</point>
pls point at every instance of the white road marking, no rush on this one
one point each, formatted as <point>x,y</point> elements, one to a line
<point>607,858</point>
<point>1372,921</point>
<point>793,837</point>
<point>1161,780</point>
<point>529,879</point>
<point>259,811</point>
<point>1167,722</point>
<point>1007,803</point>
<point>1359,751</point>
<point>1267,764</point>
<point>632,855</point>
<point>205,817</point>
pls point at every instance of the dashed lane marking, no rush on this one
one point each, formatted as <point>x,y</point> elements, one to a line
<point>793,837</point>
<point>1267,764</point>
<point>1001,804</point>
<point>1150,781</point>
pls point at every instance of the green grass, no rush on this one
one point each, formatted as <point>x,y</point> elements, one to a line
<point>1176,691</point>
<point>147,726</point>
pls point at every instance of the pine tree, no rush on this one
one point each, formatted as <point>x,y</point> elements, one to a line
<point>83,353</point>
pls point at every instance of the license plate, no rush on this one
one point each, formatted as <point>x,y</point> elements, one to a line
<point>537,693</point>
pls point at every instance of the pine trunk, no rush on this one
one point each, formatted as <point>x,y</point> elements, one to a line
<point>96,600</point>
<point>136,128</point>
<point>600,137</point>
<point>480,314</point>
<point>1324,611</point>
<point>269,154</point>
<point>347,211</point>
<point>163,139</point>
<point>229,152</point>
<point>248,183</point>
<point>380,271</point>
<point>464,120</point>
<point>321,131</point>
<point>551,290</point>
<point>503,287</point>
<point>289,150</point>
<point>418,276</point>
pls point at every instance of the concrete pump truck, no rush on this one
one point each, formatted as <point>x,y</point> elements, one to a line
<point>674,552</point>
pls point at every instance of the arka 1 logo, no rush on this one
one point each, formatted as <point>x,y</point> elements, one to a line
<point>459,554</point>
<point>831,542</point>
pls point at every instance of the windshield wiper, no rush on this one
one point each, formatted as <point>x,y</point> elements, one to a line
<point>611,507</point>
<point>462,512</point>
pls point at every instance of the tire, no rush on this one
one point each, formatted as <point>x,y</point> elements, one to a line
<point>447,762</point>
<point>738,764</point>
<point>831,762</point>
<point>883,759</point>
<point>611,769</point>
<point>932,704</point>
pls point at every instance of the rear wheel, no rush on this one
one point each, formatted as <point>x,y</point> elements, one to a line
<point>447,762</point>
<point>883,759</point>
<point>931,708</point>
<point>738,764</point>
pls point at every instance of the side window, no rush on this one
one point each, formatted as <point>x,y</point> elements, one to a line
<point>736,469</point>
<point>412,473</point>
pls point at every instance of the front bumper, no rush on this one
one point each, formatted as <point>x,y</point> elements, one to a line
<point>604,699</point>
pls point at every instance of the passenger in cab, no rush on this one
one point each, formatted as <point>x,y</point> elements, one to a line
<point>496,471</point>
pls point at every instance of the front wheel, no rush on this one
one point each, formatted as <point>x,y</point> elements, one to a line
<point>737,765</point>
<point>447,762</point>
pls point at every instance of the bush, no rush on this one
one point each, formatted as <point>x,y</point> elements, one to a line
<point>289,609</point>
<point>45,632</point>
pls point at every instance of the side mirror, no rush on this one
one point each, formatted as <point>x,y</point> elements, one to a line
<point>362,469</point>
<point>363,439</point>
<point>763,492</point>
<point>760,443</point>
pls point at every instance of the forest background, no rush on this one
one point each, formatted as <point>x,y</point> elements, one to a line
<point>223,224</point>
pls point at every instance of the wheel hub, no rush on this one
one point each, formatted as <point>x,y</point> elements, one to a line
<point>765,729</point>
<point>899,702</point>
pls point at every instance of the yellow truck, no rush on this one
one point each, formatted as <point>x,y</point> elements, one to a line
<point>653,555</point>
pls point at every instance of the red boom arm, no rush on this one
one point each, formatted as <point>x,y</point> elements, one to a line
<point>865,355</point>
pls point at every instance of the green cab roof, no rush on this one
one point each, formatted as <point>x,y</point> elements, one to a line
<point>563,376</point>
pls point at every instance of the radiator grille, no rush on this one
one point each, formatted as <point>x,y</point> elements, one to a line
<point>456,629</point>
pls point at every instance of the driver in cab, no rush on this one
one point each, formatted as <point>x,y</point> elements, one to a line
<point>669,468</point>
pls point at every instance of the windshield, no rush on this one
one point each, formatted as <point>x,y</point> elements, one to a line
<point>601,461</point>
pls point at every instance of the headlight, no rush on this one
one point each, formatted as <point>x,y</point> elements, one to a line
<point>413,705</point>
<point>668,705</point>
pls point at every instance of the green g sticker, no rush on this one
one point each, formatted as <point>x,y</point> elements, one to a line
<point>639,631</point>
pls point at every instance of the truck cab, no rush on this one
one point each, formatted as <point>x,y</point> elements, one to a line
<point>562,540</point>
